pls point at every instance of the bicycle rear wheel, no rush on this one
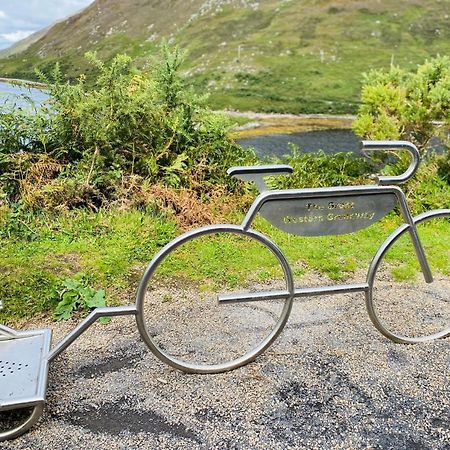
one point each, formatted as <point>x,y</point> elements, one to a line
<point>400,303</point>
<point>179,315</point>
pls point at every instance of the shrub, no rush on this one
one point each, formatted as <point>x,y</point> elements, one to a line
<point>428,189</point>
<point>123,122</point>
<point>413,106</point>
<point>397,104</point>
<point>321,169</point>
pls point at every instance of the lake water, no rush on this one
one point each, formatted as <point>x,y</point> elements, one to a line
<point>330,141</point>
<point>14,94</point>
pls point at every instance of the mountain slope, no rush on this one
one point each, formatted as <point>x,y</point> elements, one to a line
<point>23,44</point>
<point>288,55</point>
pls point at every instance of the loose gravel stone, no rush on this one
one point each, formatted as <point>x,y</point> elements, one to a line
<point>330,381</point>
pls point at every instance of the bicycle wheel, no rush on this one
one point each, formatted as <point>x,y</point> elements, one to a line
<point>400,303</point>
<point>179,316</point>
<point>14,423</point>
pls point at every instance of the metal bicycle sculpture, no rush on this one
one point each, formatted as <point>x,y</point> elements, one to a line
<point>232,329</point>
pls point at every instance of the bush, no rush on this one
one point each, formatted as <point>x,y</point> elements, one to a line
<point>322,170</point>
<point>428,189</point>
<point>413,106</point>
<point>125,122</point>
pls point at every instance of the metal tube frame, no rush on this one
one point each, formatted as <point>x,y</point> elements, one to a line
<point>37,408</point>
<point>25,426</point>
<point>395,235</point>
<point>385,186</point>
<point>87,322</point>
<point>369,146</point>
<point>341,192</point>
<point>252,354</point>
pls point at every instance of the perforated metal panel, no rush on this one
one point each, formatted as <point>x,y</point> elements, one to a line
<point>8,368</point>
<point>23,368</point>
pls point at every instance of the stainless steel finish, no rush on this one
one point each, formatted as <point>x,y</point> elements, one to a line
<point>87,322</point>
<point>24,359</point>
<point>251,355</point>
<point>257,174</point>
<point>368,146</point>
<point>406,213</point>
<point>252,296</point>
<point>374,267</point>
<point>6,333</point>
<point>23,368</point>
<point>298,293</point>
<point>320,216</point>
<point>25,426</point>
<point>315,195</point>
<point>23,374</point>
<point>24,356</point>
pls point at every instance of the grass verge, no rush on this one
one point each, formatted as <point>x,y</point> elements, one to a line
<point>111,249</point>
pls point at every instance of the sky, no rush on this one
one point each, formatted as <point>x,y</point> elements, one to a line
<point>20,18</point>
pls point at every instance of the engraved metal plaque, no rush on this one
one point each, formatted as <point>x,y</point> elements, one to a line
<point>321,216</point>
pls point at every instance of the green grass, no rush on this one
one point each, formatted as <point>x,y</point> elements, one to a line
<point>218,260</point>
<point>435,239</point>
<point>225,259</point>
<point>111,249</point>
<point>310,57</point>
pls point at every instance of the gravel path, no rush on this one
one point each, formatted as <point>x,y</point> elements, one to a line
<point>330,381</point>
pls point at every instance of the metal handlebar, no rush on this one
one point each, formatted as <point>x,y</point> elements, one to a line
<point>394,145</point>
<point>256,174</point>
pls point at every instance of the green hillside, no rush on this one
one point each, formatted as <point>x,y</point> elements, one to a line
<point>295,56</point>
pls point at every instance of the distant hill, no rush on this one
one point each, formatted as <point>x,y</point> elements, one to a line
<point>286,55</point>
<point>23,44</point>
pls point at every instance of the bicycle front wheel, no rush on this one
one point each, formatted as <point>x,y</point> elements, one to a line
<point>400,303</point>
<point>179,315</point>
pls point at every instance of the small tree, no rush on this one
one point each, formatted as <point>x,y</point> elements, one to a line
<point>414,106</point>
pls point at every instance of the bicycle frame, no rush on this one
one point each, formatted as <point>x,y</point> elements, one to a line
<point>308,212</point>
<point>309,215</point>
<point>310,195</point>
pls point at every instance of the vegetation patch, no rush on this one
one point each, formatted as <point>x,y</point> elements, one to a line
<point>96,182</point>
<point>300,56</point>
<point>93,144</point>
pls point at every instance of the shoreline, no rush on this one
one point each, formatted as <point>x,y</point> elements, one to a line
<point>266,124</point>
<point>274,115</point>
<point>259,123</point>
<point>26,83</point>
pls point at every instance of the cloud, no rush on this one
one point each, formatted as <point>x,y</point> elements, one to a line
<point>29,16</point>
<point>16,35</point>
